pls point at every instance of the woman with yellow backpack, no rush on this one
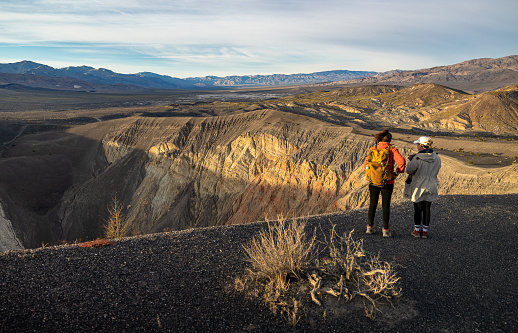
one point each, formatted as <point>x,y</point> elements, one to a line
<point>379,171</point>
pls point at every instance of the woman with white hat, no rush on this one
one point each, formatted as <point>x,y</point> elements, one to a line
<point>422,190</point>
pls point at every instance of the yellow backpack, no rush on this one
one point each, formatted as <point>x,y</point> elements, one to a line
<point>379,169</point>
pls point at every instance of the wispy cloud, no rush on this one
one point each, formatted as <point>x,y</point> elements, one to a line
<point>204,37</point>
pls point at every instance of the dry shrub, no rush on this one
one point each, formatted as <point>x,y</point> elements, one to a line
<point>291,314</point>
<point>281,251</point>
<point>345,253</point>
<point>278,254</point>
<point>98,242</point>
<point>358,272</point>
<point>380,279</point>
<point>284,251</point>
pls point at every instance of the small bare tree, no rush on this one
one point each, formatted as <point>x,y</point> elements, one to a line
<point>114,227</point>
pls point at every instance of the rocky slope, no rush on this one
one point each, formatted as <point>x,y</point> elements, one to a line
<point>174,173</point>
<point>425,106</point>
<point>503,107</point>
<point>475,76</point>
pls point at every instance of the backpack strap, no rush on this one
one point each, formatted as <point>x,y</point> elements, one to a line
<point>391,159</point>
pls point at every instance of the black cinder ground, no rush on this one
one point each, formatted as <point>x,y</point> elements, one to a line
<point>461,279</point>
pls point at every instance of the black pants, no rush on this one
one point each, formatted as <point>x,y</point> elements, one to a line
<point>386,195</point>
<point>422,213</point>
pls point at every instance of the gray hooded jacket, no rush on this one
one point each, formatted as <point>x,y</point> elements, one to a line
<point>424,168</point>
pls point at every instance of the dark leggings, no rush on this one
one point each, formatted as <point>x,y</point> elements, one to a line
<point>422,213</point>
<point>386,195</point>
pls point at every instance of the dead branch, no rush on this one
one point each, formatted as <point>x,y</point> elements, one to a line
<point>316,281</point>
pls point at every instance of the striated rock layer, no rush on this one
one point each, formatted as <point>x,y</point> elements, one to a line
<point>177,173</point>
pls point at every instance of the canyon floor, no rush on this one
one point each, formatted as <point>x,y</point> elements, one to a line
<point>461,279</point>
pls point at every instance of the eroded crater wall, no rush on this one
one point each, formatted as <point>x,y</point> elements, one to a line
<point>178,173</point>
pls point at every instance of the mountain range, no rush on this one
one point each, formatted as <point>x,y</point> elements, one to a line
<point>473,76</point>
<point>29,73</point>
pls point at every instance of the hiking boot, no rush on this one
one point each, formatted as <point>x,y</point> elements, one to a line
<point>387,233</point>
<point>370,230</point>
<point>424,234</point>
<point>416,233</point>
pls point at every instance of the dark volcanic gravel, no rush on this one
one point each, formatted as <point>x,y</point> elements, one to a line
<point>463,278</point>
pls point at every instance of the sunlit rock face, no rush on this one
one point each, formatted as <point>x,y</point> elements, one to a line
<point>240,169</point>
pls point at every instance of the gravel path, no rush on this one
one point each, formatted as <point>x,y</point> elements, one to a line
<point>461,279</point>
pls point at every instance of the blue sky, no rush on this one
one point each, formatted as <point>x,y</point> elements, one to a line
<point>186,38</point>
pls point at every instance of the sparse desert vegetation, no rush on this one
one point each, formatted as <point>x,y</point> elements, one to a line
<point>289,270</point>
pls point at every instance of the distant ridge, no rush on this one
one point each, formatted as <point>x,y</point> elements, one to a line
<point>156,81</point>
<point>89,74</point>
<point>42,82</point>
<point>474,76</point>
<point>282,79</point>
